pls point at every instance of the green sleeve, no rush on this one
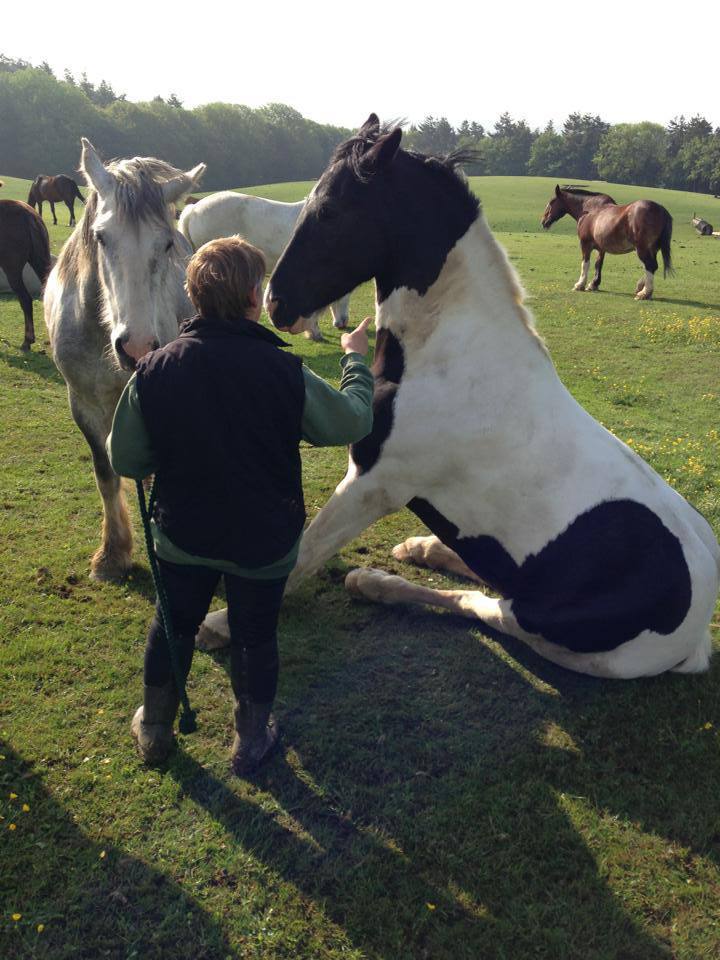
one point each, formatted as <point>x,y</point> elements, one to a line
<point>128,446</point>
<point>335,417</point>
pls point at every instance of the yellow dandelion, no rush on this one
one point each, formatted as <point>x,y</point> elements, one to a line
<point>40,927</point>
<point>101,710</point>
<point>103,854</point>
<point>16,917</point>
<point>25,808</point>
<point>13,796</point>
<point>12,826</point>
<point>708,726</point>
<point>430,906</point>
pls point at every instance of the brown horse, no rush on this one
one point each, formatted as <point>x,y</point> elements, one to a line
<point>605,226</point>
<point>55,189</point>
<point>23,239</point>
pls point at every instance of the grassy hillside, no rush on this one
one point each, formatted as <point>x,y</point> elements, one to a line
<point>442,796</point>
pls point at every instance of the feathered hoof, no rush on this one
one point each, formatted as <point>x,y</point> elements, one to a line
<point>366,583</point>
<point>340,324</point>
<point>214,632</point>
<point>104,569</point>
<point>643,296</point>
<point>153,741</point>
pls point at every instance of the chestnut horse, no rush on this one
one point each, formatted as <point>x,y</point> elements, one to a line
<point>55,189</point>
<point>608,227</point>
<point>23,239</point>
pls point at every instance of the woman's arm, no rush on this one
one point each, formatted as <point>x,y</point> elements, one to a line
<point>128,446</point>
<point>334,417</point>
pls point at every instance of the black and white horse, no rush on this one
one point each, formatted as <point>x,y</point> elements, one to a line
<point>601,566</point>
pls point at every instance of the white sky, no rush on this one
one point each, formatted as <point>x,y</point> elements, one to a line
<point>335,61</point>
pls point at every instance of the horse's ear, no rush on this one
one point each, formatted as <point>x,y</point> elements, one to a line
<point>557,189</point>
<point>382,153</point>
<point>371,126</point>
<point>175,188</point>
<point>93,169</point>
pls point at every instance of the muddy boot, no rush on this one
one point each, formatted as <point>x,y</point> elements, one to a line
<point>152,725</point>
<point>256,735</point>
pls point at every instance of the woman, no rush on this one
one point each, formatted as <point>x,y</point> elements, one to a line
<point>217,415</point>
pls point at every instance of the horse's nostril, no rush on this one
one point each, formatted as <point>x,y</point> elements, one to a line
<point>126,361</point>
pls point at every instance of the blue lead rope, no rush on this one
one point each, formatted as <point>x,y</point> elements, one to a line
<point>187,722</point>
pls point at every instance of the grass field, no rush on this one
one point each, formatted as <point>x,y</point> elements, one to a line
<point>441,795</point>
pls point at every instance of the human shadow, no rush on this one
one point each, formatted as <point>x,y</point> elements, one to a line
<point>91,898</point>
<point>405,801</point>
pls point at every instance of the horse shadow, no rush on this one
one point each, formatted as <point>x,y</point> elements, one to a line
<point>108,904</point>
<point>404,799</point>
<point>35,361</point>
<point>625,295</point>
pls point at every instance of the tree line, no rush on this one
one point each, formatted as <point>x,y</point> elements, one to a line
<point>42,118</point>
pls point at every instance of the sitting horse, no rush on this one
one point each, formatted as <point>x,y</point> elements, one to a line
<point>116,292</point>
<point>603,225</point>
<point>54,190</point>
<point>24,245</point>
<point>268,224</point>
<point>601,566</point>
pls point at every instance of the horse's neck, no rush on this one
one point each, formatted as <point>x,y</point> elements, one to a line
<point>474,307</point>
<point>575,205</point>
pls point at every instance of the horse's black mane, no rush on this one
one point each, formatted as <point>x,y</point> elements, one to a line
<point>354,149</point>
<point>582,192</point>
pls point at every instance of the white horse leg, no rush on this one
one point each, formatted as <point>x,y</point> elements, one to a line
<point>312,329</point>
<point>584,270</point>
<point>645,291</point>
<point>356,503</point>
<point>113,557</point>
<point>341,313</point>
<point>431,552</point>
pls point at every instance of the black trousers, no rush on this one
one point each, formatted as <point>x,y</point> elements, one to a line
<point>253,610</point>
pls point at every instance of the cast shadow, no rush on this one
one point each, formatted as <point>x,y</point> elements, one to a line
<point>93,899</point>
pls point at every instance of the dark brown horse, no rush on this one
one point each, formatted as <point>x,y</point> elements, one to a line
<point>605,226</point>
<point>23,239</point>
<point>55,189</point>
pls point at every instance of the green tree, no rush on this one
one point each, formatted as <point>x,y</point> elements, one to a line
<point>633,153</point>
<point>582,133</point>
<point>547,156</point>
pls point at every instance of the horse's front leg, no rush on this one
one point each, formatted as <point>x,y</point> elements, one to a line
<point>113,557</point>
<point>357,502</point>
<point>52,207</point>
<point>341,313</point>
<point>584,267</point>
<point>595,285</point>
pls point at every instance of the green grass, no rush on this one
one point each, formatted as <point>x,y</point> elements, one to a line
<point>442,794</point>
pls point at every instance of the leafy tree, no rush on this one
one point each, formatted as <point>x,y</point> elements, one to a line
<point>547,156</point>
<point>582,134</point>
<point>632,153</point>
<point>509,146</point>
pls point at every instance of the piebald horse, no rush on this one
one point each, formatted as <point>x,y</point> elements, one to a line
<point>116,292</point>
<point>268,224</point>
<point>55,190</point>
<point>603,225</point>
<point>601,566</point>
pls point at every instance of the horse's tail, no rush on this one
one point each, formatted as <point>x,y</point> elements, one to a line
<point>664,244</point>
<point>77,192</point>
<point>39,258</point>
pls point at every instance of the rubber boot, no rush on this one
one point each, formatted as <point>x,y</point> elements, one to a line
<point>256,735</point>
<point>152,725</point>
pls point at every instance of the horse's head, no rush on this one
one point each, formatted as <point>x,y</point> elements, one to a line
<point>555,209</point>
<point>33,196</point>
<point>377,211</point>
<point>141,256</point>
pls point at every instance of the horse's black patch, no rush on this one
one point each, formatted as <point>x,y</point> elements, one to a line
<point>614,572</point>
<point>388,368</point>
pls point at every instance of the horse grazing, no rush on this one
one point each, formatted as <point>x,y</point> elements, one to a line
<point>115,293</point>
<point>24,242</point>
<point>54,190</point>
<point>268,224</point>
<point>601,566</point>
<point>603,225</point>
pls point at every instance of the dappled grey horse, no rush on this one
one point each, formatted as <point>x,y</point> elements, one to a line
<point>116,292</point>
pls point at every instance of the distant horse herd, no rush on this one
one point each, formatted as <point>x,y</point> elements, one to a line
<point>601,566</point>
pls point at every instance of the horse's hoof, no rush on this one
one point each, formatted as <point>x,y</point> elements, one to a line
<point>214,632</point>
<point>105,570</point>
<point>340,324</point>
<point>580,287</point>
<point>26,345</point>
<point>363,582</point>
<point>591,289</point>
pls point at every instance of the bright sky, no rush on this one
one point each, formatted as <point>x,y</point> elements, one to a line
<point>336,61</point>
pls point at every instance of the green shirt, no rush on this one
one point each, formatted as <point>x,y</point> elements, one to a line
<point>330,418</point>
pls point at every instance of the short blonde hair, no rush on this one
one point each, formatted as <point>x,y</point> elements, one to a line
<point>221,276</point>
